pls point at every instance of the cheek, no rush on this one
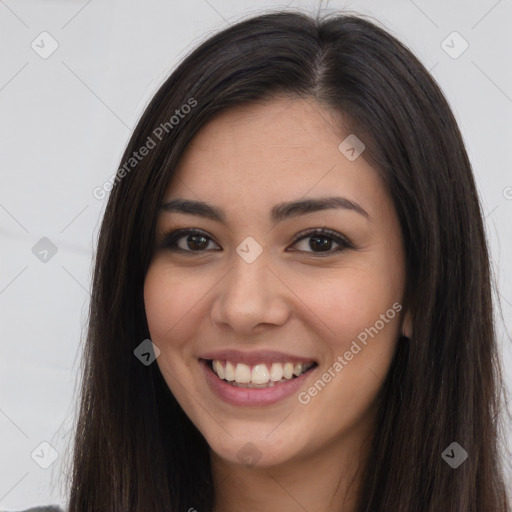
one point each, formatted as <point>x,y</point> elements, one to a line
<point>170,308</point>
<point>176,302</point>
<point>347,303</point>
<point>159,305</point>
<point>170,302</point>
<point>360,327</point>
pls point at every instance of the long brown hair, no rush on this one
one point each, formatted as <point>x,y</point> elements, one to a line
<point>135,449</point>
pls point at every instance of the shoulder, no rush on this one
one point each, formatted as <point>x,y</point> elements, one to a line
<point>48,508</point>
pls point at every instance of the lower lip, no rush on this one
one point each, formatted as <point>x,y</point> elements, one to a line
<point>251,396</point>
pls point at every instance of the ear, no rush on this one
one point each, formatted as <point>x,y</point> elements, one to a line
<point>407,324</point>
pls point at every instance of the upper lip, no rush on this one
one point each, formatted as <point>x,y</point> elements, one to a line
<point>255,357</point>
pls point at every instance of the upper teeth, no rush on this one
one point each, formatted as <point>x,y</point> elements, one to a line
<point>260,373</point>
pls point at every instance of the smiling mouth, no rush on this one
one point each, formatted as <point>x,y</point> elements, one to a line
<point>257,376</point>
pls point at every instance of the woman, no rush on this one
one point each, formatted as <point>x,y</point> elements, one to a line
<point>291,299</point>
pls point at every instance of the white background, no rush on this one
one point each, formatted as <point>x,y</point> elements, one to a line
<point>64,123</point>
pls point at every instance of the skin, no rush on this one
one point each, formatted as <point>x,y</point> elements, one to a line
<point>289,299</point>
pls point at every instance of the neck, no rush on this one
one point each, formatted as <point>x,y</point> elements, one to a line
<point>325,480</point>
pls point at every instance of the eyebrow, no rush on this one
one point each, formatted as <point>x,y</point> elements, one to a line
<point>279,212</point>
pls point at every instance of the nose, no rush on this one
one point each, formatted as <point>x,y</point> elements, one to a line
<point>250,297</point>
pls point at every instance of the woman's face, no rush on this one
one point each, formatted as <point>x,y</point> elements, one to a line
<point>256,292</point>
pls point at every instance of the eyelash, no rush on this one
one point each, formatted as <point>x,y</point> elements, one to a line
<point>170,239</point>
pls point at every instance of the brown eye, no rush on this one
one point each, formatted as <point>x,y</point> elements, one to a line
<point>187,240</point>
<point>318,242</point>
<point>321,241</point>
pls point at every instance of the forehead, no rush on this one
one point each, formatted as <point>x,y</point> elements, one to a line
<point>269,152</point>
<point>299,127</point>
